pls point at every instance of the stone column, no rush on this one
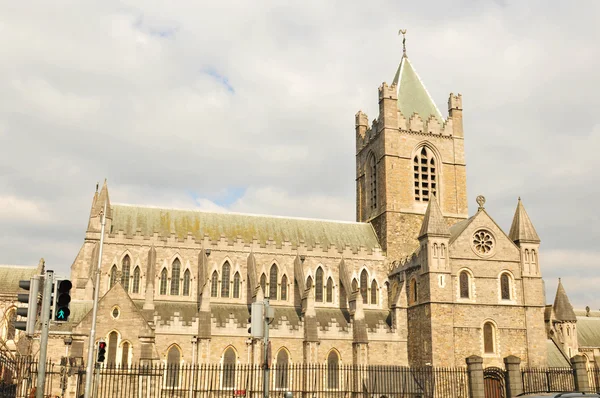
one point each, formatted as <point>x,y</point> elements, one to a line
<point>582,382</point>
<point>514,378</point>
<point>475,371</point>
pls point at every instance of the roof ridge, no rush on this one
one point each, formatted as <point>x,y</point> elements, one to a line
<point>242,214</point>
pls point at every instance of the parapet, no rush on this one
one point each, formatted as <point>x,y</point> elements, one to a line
<point>455,102</point>
<point>388,92</point>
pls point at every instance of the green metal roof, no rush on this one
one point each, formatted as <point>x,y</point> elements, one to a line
<point>588,331</point>
<point>199,223</point>
<point>10,275</point>
<point>412,94</point>
<point>555,358</point>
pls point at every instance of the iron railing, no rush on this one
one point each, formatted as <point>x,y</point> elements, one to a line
<point>594,376</point>
<point>548,380</point>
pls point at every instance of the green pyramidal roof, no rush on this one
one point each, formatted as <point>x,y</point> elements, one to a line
<point>412,94</point>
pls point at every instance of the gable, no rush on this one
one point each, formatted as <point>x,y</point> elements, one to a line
<point>462,237</point>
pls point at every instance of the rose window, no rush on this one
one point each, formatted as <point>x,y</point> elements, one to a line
<point>483,242</point>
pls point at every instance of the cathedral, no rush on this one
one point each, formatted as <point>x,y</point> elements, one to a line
<point>416,280</point>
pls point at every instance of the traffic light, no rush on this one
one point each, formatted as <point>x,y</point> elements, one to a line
<point>31,311</point>
<point>256,320</point>
<point>62,298</point>
<point>101,351</point>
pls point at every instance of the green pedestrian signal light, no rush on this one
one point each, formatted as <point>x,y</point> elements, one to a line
<point>62,299</point>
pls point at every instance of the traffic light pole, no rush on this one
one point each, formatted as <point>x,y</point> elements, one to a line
<point>92,337</point>
<point>266,350</point>
<point>41,376</point>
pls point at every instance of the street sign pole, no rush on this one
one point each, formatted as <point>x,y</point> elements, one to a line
<point>92,337</point>
<point>266,350</point>
<point>45,318</point>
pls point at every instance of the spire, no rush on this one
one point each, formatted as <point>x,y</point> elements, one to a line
<point>563,310</point>
<point>434,222</point>
<point>413,97</point>
<point>99,200</point>
<point>522,229</point>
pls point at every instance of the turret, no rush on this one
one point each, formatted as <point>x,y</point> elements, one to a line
<point>455,111</point>
<point>565,322</point>
<point>524,235</point>
<point>98,202</point>
<point>434,238</point>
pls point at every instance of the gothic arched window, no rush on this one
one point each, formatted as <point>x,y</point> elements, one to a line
<point>343,295</point>
<point>273,279</point>
<point>163,282</point>
<point>425,175</point>
<point>333,362</point>
<point>281,369</point>
<point>463,280</point>
<point>125,347</point>
<point>225,274</point>
<point>329,297</point>
<point>113,339</point>
<point>319,285</point>
<point>125,269</point>
<point>309,282</point>
<point>372,182</point>
<point>186,282</point>
<point>489,343</point>
<point>354,285</point>
<point>236,285</point>
<point>229,362</point>
<point>136,280</point>
<point>173,364</point>
<point>113,277</point>
<point>363,285</point>
<point>263,283</point>
<point>412,292</point>
<point>505,286</point>
<point>214,284</point>
<point>374,291</point>
<point>284,283</point>
<point>175,275</point>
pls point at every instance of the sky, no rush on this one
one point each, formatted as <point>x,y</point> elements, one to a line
<point>248,106</point>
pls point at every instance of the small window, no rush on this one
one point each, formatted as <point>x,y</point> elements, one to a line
<point>505,286</point>
<point>125,354</point>
<point>113,339</point>
<point>281,369</point>
<point>175,275</point>
<point>319,285</point>
<point>214,284</point>
<point>263,283</point>
<point>113,276</point>
<point>173,365</point>
<point>284,283</point>
<point>229,362</point>
<point>163,282</point>
<point>116,312</point>
<point>186,282</point>
<point>309,282</point>
<point>236,285</point>
<point>273,279</point>
<point>126,267</point>
<point>412,292</point>
<point>363,286</point>
<point>136,280</point>
<point>329,290</point>
<point>354,285</point>
<point>225,274</point>
<point>374,292</point>
<point>489,338</point>
<point>464,284</point>
<point>333,378</point>
<point>373,181</point>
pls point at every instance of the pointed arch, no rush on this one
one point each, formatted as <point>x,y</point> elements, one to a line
<point>464,281</point>
<point>319,285</point>
<point>236,285</point>
<point>113,277</point>
<point>374,291</point>
<point>273,280</point>
<point>329,288</point>
<point>412,291</point>
<point>175,276</point>
<point>187,276</point>
<point>354,285</point>
<point>136,280</point>
<point>229,363</point>
<point>309,282</point>
<point>173,365</point>
<point>281,368</point>
<point>505,286</point>
<point>372,180</point>
<point>284,286</point>
<point>214,284</point>
<point>163,282</point>
<point>426,179</point>
<point>125,351</point>
<point>125,272</point>
<point>225,278</point>
<point>333,363</point>
<point>113,343</point>
<point>489,338</point>
<point>364,277</point>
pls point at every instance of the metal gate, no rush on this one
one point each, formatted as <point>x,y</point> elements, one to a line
<point>494,383</point>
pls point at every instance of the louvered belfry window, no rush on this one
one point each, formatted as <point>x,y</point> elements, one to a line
<point>373,181</point>
<point>425,175</point>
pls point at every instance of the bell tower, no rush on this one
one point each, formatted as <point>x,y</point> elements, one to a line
<point>406,156</point>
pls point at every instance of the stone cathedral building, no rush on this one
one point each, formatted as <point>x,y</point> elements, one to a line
<point>416,280</point>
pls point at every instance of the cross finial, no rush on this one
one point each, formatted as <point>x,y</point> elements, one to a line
<point>480,201</point>
<point>403,33</point>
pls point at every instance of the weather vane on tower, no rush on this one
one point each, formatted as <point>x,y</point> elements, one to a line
<point>403,33</point>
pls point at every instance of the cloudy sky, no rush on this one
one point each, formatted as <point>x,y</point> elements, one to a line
<point>249,106</point>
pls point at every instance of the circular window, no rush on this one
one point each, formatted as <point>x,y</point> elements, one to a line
<point>483,242</point>
<point>115,312</point>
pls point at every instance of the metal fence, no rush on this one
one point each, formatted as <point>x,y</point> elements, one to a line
<point>548,380</point>
<point>246,381</point>
<point>594,376</point>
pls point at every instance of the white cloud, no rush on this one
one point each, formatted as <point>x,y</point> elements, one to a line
<point>13,209</point>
